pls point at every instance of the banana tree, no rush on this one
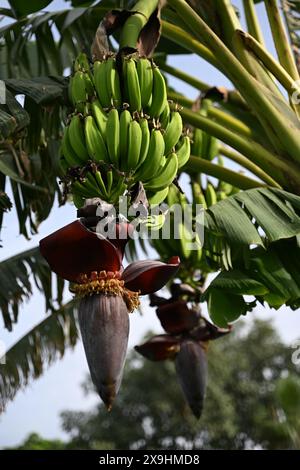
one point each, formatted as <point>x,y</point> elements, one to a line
<point>255,124</point>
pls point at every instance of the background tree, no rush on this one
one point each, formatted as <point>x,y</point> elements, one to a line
<point>241,409</point>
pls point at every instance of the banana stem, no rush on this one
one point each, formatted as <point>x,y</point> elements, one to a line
<point>196,165</point>
<point>185,77</point>
<point>270,117</point>
<point>246,163</point>
<point>225,119</point>
<point>182,38</point>
<point>280,39</point>
<point>252,21</point>
<point>283,172</point>
<point>230,21</point>
<point>142,11</point>
<point>233,97</point>
<point>271,64</point>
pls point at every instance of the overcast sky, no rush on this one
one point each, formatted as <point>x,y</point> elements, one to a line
<point>37,408</point>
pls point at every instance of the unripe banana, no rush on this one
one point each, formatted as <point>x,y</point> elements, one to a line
<point>183,151</point>
<point>158,197</point>
<point>159,94</point>
<point>110,179</point>
<point>173,131</point>
<point>143,122</point>
<point>165,116</point>
<point>196,147</point>
<point>145,75</point>
<point>210,195</point>
<point>113,136</point>
<point>91,184</point>
<point>132,85</point>
<point>213,149</point>
<point>89,87</point>
<point>221,195</point>
<point>134,144</point>
<point>165,176</point>
<point>78,91</point>
<point>154,156</point>
<point>184,240</point>
<point>100,69</point>
<point>113,82</point>
<point>77,140</point>
<point>101,184</point>
<point>94,141</point>
<point>100,117</point>
<point>125,119</point>
<point>118,190</point>
<point>82,63</point>
<point>81,190</point>
<point>67,151</point>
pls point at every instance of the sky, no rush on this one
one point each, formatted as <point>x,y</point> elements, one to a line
<point>37,408</point>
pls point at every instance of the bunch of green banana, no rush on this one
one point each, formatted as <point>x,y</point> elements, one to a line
<point>204,145</point>
<point>105,185</point>
<point>123,123</point>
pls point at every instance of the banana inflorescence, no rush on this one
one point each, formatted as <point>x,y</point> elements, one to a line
<point>122,130</point>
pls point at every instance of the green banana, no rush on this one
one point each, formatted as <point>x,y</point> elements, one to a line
<point>89,87</point>
<point>118,190</point>
<point>196,147</point>
<point>100,69</point>
<point>143,122</point>
<point>100,116</point>
<point>183,151</point>
<point>145,75</point>
<point>159,94</point>
<point>77,140</point>
<point>113,136</point>
<point>210,195</point>
<point>125,119</point>
<point>113,82</point>
<point>100,183</point>
<point>165,116</point>
<point>184,239</point>
<point>67,151</point>
<point>91,184</point>
<point>94,141</point>
<point>110,180</point>
<point>132,85</point>
<point>158,197</point>
<point>165,176</point>
<point>173,131</point>
<point>82,63</point>
<point>134,144</point>
<point>78,91</point>
<point>81,190</point>
<point>154,155</point>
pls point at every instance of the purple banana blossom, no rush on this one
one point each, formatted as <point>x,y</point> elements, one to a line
<point>186,342</point>
<point>93,265</point>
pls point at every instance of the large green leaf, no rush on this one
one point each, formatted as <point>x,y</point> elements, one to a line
<point>21,8</point>
<point>253,217</point>
<point>272,276</point>
<point>16,277</point>
<point>37,350</point>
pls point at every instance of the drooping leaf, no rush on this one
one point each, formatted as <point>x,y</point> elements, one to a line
<point>37,350</point>
<point>17,275</point>
<point>21,8</point>
<point>254,217</point>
